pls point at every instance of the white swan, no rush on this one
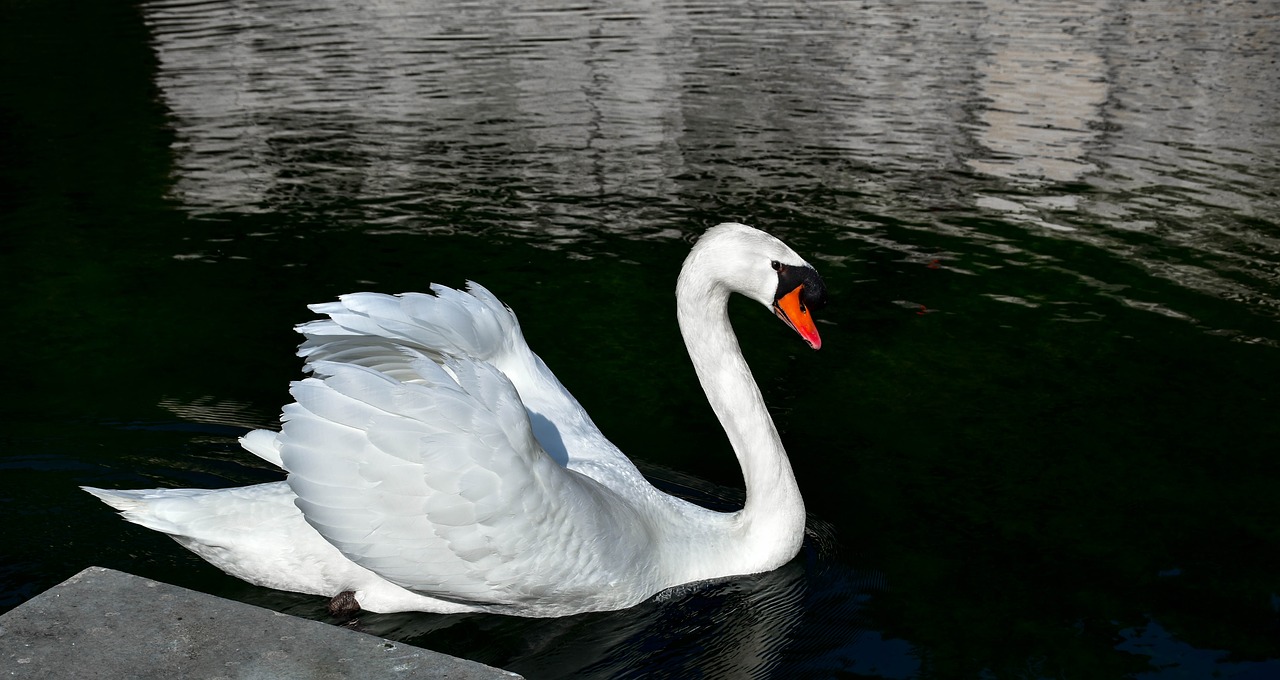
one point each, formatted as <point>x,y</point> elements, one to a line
<point>435,463</point>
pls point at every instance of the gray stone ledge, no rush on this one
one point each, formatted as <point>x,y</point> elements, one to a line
<point>103,623</point>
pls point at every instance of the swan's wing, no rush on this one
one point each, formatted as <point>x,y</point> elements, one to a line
<point>437,484</point>
<point>372,329</point>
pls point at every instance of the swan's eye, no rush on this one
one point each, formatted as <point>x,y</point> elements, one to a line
<point>777,266</point>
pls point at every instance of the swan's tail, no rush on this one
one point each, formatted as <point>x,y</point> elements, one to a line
<point>151,508</point>
<point>254,533</point>
<point>207,517</point>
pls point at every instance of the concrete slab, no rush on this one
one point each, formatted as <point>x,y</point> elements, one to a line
<point>103,623</point>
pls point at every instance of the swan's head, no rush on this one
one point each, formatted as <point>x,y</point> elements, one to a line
<point>748,261</point>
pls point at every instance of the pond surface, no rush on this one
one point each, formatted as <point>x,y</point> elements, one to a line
<point>1040,439</point>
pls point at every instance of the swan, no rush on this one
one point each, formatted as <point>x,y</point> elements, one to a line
<point>436,464</point>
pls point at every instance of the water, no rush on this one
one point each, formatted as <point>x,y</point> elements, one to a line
<point>1039,440</point>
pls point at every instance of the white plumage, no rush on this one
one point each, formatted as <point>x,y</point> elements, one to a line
<point>436,464</point>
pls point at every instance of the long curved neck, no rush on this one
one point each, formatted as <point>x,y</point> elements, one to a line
<point>770,528</point>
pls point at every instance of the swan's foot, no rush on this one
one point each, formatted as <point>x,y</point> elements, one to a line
<point>344,605</point>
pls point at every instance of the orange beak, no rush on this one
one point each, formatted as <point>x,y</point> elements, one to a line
<point>791,310</point>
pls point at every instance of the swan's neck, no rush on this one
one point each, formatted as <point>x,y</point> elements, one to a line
<point>768,531</point>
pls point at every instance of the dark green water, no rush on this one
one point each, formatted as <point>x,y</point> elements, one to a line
<point>1040,439</point>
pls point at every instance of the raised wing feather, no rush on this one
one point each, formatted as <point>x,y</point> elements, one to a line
<point>373,330</point>
<point>449,322</point>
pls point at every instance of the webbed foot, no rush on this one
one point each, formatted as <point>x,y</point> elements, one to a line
<point>344,605</point>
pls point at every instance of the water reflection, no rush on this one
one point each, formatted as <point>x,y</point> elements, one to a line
<point>394,107</point>
<point>1042,88</point>
<point>567,124</point>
